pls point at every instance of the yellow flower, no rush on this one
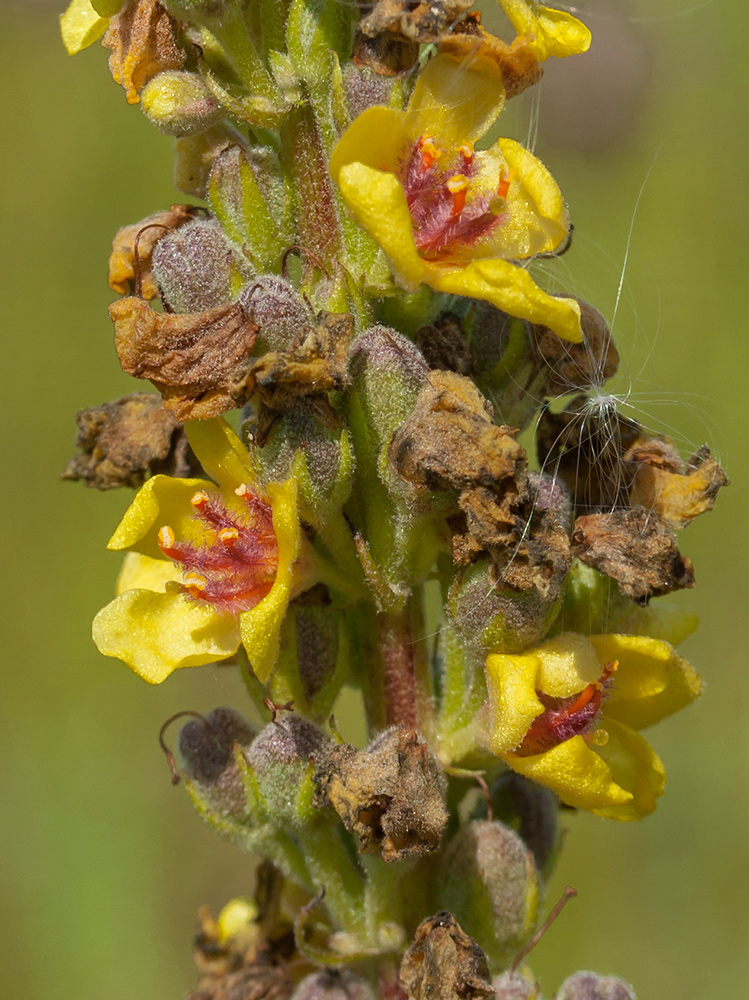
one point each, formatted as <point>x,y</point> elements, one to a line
<point>80,26</point>
<point>550,32</point>
<point>567,715</point>
<point>446,215</point>
<point>227,578</point>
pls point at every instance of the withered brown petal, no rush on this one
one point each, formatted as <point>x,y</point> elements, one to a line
<point>143,40</point>
<point>636,549</point>
<point>451,441</point>
<point>390,796</point>
<point>193,359</point>
<point>147,233</point>
<point>126,441</point>
<point>677,492</point>
<point>444,963</point>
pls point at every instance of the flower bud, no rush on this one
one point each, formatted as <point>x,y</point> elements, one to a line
<point>332,984</point>
<point>280,757</point>
<point>246,194</point>
<point>363,88</point>
<point>206,748</point>
<point>591,986</point>
<point>196,154</point>
<point>533,811</point>
<point>107,8</point>
<point>487,878</point>
<point>192,267</point>
<point>281,314</point>
<point>513,985</point>
<point>180,103</point>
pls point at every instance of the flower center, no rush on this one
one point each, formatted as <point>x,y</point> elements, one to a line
<point>564,718</point>
<point>236,565</point>
<point>447,210</point>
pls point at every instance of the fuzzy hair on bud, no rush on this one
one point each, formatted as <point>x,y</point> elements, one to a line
<point>206,749</point>
<point>192,267</point>
<point>591,986</point>
<point>278,310</point>
<point>180,103</point>
<point>332,984</point>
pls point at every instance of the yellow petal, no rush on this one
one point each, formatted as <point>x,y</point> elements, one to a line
<point>578,775</point>
<point>651,681</point>
<point>377,138</point>
<point>510,288</point>
<point>568,663</point>
<point>537,217</point>
<point>80,26</point>
<point>661,621</point>
<point>455,100</point>
<point>635,766</point>
<point>513,702</point>
<point>161,500</point>
<point>378,203</point>
<point>221,453</point>
<point>555,32</point>
<point>141,572</point>
<point>261,625</point>
<point>155,634</point>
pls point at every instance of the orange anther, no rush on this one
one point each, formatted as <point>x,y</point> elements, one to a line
<point>165,538</point>
<point>194,584</point>
<point>466,151</point>
<point>243,490</point>
<point>429,152</point>
<point>504,184</point>
<point>227,536</point>
<point>458,186</point>
<point>199,499</point>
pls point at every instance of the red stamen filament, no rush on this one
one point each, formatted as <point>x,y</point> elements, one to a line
<point>234,565</point>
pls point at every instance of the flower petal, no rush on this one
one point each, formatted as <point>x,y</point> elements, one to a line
<point>513,702</point>
<point>537,217</point>
<point>221,453</point>
<point>161,500</point>
<point>455,99</point>
<point>651,681</point>
<point>510,288</point>
<point>377,137</point>
<point>578,775</point>
<point>662,621</point>
<point>155,634</point>
<point>635,766</point>
<point>141,572</point>
<point>556,33</point>
<point>568,663</point>
<point>378,203</point>
<point>80,26</point>
<point>261,625</point>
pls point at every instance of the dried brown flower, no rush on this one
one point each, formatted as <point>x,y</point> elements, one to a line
<point>192,358</point>
<point>126,441</point>
<point>444,963</point>
<point>675,491</point>
<point>576,366</point>
<point>635,548</point>
<point>143,39</point>
<point>390,796</point>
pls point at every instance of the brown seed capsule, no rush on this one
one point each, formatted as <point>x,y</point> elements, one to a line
<point>443,963</point>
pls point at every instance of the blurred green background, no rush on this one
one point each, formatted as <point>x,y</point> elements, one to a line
<point>104,863</point>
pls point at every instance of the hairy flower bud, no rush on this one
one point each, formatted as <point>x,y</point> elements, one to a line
<point>192,267</point>
<point>280,757</point>
<point>180,103</point>
<point>278,310</point>
<point>487,878</point>
<point>512,985</point>
<point>363,88</point>
<point>332,984</point>
<point>531,810</point>
<point>206,748</point>
<point>591,986</point>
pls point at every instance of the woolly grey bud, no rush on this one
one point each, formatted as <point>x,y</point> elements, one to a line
<point>331,984</point>
<point>274,305</point>
<point>591,986</point>
<point>192,267</point>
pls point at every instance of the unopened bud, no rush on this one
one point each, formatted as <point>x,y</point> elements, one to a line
<point>512,985</point>
<point>281,757</point>
<point>180,103</point>
<point>196,154</point>
<point>489,881</point>
<point>279,311</point>
<point>107,8</point>
<point>363,88</point>
<point>533,811</point>
<point>591,986</point>
<point>331,984</point>
<point>192,267</point>
<point>206,748</point>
